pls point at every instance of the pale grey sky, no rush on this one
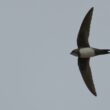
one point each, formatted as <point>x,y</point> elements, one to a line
<point>36,70</point>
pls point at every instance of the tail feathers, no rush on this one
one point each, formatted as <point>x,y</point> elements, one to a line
<point>105,51</point>
<point>108,50</point>
<point>102,51</point>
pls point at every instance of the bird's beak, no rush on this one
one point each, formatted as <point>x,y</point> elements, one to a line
<point>71,52</point>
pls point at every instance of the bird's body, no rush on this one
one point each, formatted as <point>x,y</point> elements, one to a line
<point>84,52</point>
<point>88,52</point>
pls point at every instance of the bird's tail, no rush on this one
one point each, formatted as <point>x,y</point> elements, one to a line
<point>105,51</point>
<point>102,51</point>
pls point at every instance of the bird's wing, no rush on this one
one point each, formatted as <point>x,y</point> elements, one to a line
<point>82,40</point>
<point>85,70</point>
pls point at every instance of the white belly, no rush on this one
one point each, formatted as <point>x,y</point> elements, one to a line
<point>86,52</point>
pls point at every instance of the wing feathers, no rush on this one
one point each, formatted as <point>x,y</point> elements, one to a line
<point>82,40</point>
<point>85,70</point>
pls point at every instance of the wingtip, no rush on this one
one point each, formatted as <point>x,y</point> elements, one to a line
<point>92,9</point>
<point>94,93</point>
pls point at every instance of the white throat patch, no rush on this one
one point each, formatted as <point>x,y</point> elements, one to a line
<point>86,52</point>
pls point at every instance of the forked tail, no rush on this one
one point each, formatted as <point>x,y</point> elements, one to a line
<point>102,51</point>
<point>105,51</point>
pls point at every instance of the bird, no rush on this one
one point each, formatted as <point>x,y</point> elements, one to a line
<point>84,51</point>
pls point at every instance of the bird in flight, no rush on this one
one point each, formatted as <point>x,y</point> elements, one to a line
<point>84,52</point>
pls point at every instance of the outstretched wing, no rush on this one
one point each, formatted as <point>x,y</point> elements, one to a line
<point>85,70</point>
<point>82,40</point>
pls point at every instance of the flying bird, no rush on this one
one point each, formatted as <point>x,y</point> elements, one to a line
<point>84,52</point>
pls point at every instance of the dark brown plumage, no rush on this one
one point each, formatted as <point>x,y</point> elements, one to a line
<point>84,52</point>
<point>82,40</point>
<point>85,70</point>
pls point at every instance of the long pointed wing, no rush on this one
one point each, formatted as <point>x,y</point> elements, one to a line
<point>85,70</point>
<point>82,40</point>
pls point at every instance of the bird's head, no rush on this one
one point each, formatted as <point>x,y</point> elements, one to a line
<point>74,52</point>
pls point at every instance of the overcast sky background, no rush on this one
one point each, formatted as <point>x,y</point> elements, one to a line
<point>36,70</point>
